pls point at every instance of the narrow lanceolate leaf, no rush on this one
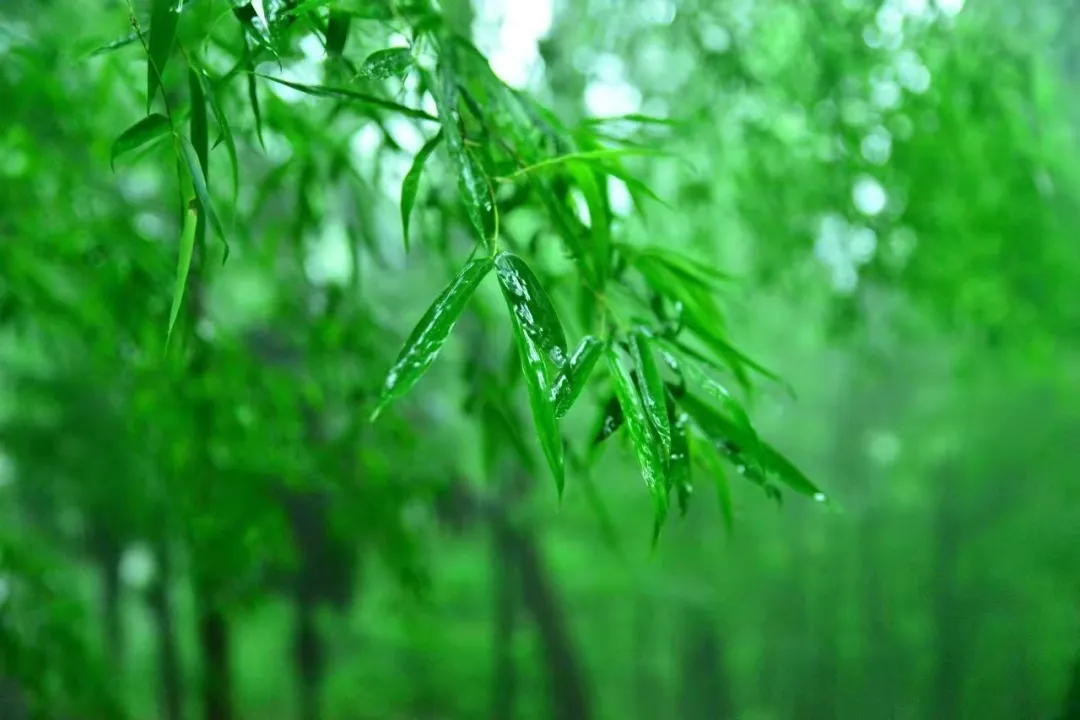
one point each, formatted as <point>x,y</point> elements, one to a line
<point>715,469</point>
<point>163,20</point>
<point>198,181</point>
<point>531,306</point>
<point>477,194</point>
<point>574,376</point>
<point>611,419</point>
<point>253,93</point>
<point>150,129</point>
<point>652,387</point>
<point>226,133</point>
<point>679,460</point>
<point>337,33</point>
<point>536,383</point>
<point>200,140</point>
<point>429,335</point>
<point>183,265</point>
<point>599,217</point>
<point>411,183</point>
<point>646,445</point>
<point>351,96</point>
<point>383,64</point>
<point>789,474</point>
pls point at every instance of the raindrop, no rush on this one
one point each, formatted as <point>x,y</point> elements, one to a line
<point>820,497</point>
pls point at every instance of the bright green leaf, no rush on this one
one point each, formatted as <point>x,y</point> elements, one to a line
<point>715,468</point>
<point>573,378</point>
<point>163,20</point>
<point>202,192</point>
<point>646,446</point>
<point>383,64</point>
<point>411,183</point>
<point>226,134</point>
<point>150,129</point>
<point>427,338</point>
<point>532,307</point>
<point>352,96</point>
<point>652,387</point>
<point>183,266</point>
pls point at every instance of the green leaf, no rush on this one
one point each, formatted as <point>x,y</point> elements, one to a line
<point>532,307</point>
<point>253,95</point>
<point>383,64</point>
<point>646,446</point>
<point>200,140</point>
<point>427,338</point>
<point>536,383</point>
<point>611,419</point>
<point>789,474</point>
<point>150,129</point>
<point>679,461</point>
<point>411,183</point>
<point>715,468</point>
<point>198,181</point>
<point>603,154</point>
<point>183,266</point>
<point>652,387</point>
<point>337,33</point>
<point>163,21</point>
<point>599,217</point>
<point>351,96</point>
<point>573,378</point>
<point>226,134</point>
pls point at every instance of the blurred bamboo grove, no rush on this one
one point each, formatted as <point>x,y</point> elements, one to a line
<point>386,359</point>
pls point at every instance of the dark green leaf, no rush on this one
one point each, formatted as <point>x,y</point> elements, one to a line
<point>599,217</point>
<point>200,140</point>
<point>715,468</point>
<point>573,378</point>
<point>789,474</point>
<point>532,307</point>
<point>679,462</point>
<point>150,129</point>
<point>652,387</point>
<point>226,134</point>
<point>427,338</point>
<point>610,421</point>
<point>163,20</point>
<point>646,446</point>
<point>383,64</point>
<point>202,192</point>
<point>253,97</point>
<point>183,266</point>
<point>352,96</point>
<point>337,33</point>
<point>536,383</point>
<point>412,182</point>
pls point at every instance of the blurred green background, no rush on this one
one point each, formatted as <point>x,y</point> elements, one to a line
<point>220,533</point>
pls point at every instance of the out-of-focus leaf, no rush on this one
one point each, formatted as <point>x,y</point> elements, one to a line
<point>198,181</point>
<point>573,378</point>
<point>676,263</point>
<point>253,94</point>
<point>646,446</point>
<point>599,217</point>
<point>652,388</point>
<point>163,21</point>
<point>337,33</point>
<point>531,306</point>
<point>183,266</point>
<point>226,133</point>
<point>588,155</point>
<point>715,468</point>
<point>611,419</point>
<point>538,387</point>
<point>200,139</point>
<point>352,96</point>
<point>151,128</point>
<point>411,183</point>
<point>116,44</point>
<point>427,338</point>
<point>383,64</point>
<point>679,461</point>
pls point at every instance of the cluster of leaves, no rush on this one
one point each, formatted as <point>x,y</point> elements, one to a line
<point>636,304</point>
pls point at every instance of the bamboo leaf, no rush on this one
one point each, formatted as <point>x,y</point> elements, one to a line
<point>789,474</point>
<point>200,140</point>
<point>337,33</point>
<point>411,183</point>
<point>599,217</point>
<point>427,338</point>
<point>611,419</point>
<point>536,384</point>
<point>652,387</point>
<point>253,94</point>
<point>226,134</point>
<point>163,21</point>
<point>531,306</point>
<point>573,378</point>
<point>383,64</point>
<point>183,265</point>
<point>646,446</point>
<point>151,128</point>
<point>679,460</point>
<point>351,96</point>
<point>198,181</point>
<point>715,469</point>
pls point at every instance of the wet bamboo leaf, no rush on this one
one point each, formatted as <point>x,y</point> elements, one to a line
<point>198,181</point>
<point>253,95</point>
<point>789,474</point>
<point>679,462</point>
<point>599,217</point>
<point>183,266</point>
<point>427,338</point>
<point>352,96</point>
<point>532,307</point>
<point>603,154</point>
<point>611,419</point>
<point>411,183</point>
<point>337,33</point>
<point>573,378</point>
<point>124,41</point>
<point>715,469</point>
<point>200,140</point>
<point>163,21</point>
<point>151,128</point>
<point>652,388</point>
<point>646,446</point>
<point>383,64</point>
<point>536,383</point>
<point>226,133</point>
